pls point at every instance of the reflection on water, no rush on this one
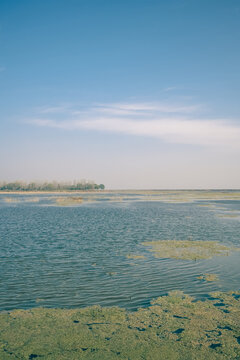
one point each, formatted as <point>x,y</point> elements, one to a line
<point>92,252</point>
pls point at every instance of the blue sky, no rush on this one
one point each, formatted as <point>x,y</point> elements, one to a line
<point>134,94</point>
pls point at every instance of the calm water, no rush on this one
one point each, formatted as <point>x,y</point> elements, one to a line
<point>75,256</point>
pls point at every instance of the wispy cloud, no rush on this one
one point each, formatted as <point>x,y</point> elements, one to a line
<point>2,68</point>
<point>172,123</point>
<point>53,109</point>
<point>145,108</point>
<point>170,88</point>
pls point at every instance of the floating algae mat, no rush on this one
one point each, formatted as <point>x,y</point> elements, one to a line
<point>173,327</point>
<point>232,215</point>
<point>21,199</point>
<point>135,257</point>
<point>68,201</point>
<point>187,249</point>
<point>208,277</point>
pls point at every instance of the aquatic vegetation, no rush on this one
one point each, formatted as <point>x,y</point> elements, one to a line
<point>116,198</point>
<point>133,264</point>
<point>181,196</point>
<point>175,196</point>
<point>207,205</point>
<point>229,215</point>
<point>111,273</point>
<point>208,277</point>
<point>172,197</point>
<point>68,201</point>
<point>38,300</point>
<point>172,327</point>
<point>187,249</point>
<point>21,200</point>
<point>32,199</point>
<point>11,200</point>
<point>135,257</point>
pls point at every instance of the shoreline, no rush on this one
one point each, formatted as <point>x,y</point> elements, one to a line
<point>126,191</point>
<point>50,192</point>
<point>161,195</point>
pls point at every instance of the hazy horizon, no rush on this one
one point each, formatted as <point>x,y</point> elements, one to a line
<point>131,94</point>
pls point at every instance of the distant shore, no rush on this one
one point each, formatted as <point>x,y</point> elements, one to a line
<point>201,193</point>
<point>21,192</point>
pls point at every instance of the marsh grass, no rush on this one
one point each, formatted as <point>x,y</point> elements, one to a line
<point>173,327</point>
<point>187,249</point>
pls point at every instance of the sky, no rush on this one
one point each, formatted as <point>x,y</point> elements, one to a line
<point>134,94</point>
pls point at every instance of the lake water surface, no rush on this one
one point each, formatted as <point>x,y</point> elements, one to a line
<point>76,256</point>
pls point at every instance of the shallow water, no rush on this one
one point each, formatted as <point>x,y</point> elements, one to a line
<point>76,256</point>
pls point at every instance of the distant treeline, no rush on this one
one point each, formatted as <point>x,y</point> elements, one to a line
<point>50,186</point>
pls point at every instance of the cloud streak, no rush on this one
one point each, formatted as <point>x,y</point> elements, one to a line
<point>170,123</point>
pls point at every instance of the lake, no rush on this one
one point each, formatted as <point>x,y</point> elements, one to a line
<point>86,253</point>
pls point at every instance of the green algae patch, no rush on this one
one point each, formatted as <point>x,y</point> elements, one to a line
<point>135,257</point>
<point>208,277</point>
<point>68,201</point>
<point>187,249</point>
<point>172,327</point>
